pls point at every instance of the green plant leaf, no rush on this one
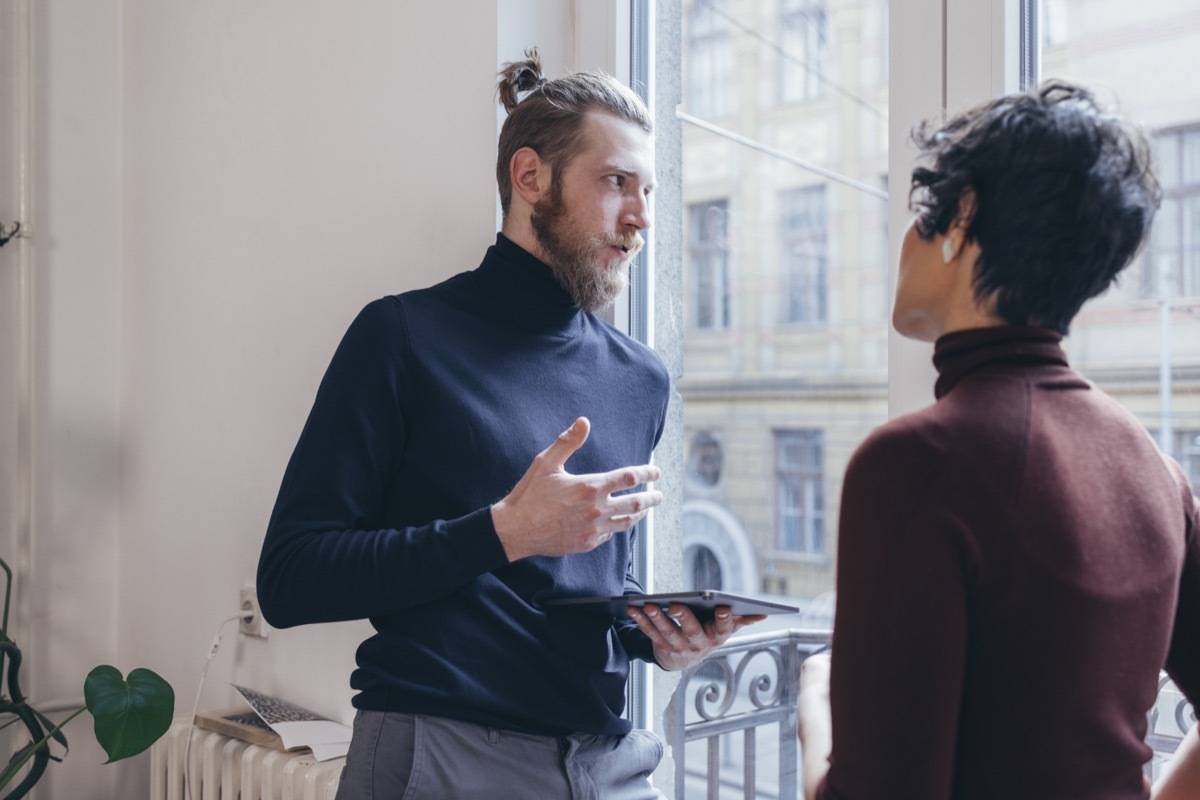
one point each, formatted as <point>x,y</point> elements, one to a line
<point>130,714</point>
<point>50,727</point>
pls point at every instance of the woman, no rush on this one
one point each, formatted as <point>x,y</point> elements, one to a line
<point>1015,560</point>
<point>1180,777</point>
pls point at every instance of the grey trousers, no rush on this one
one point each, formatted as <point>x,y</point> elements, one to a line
<point>415,757</point>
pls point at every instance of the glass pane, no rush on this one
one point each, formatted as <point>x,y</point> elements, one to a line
<point>786,305</point>
<point>1143,346</point>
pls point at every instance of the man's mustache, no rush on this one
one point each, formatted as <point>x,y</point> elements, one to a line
<point>630,244</point>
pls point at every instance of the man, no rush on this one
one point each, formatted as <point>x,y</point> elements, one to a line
<point>417,496</point>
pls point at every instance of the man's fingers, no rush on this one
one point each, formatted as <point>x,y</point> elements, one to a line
<point>568,442</point>
<point>628,477</point>
<point>632,504</point>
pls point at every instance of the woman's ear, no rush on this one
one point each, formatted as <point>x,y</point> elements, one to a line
<point>530,175</point>
<point>966,212</point>
<point>956,235</point>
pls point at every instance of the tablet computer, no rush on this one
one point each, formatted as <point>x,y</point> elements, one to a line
<point>703,603</point>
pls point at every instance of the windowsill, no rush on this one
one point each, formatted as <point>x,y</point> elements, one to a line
<point>793,557</point>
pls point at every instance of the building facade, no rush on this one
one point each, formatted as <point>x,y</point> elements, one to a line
<point>787,297</point>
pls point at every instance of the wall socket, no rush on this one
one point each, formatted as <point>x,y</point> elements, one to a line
<point>252,623</point>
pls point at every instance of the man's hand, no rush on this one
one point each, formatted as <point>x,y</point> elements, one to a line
<point>551,512</point>
<point>680,640</point>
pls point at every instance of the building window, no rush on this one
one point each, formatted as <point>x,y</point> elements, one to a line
<point>1187,452</point>
<point>708,254</point>
<point>1052,22</point>
<point>802,35</point>
<point>705,573</point>
<point>805,256</point>
<point>704,461</point>
<point>1174,251</point>
<point>799,475</point>
<point>709,67</point>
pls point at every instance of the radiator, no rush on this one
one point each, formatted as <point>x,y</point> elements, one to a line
<point>224,768</point>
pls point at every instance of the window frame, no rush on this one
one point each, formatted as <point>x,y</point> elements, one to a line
<point>708,256</point>
<point>811,542</point>
<point>719,98</point>
<point>809,206</point>
<point>1178,195</point>
<point>807,69</point>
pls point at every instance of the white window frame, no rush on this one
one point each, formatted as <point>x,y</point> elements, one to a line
<point>941,56</point>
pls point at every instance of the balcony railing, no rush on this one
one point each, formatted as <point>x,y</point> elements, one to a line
<point>723,706</point>
<point>731,721</point>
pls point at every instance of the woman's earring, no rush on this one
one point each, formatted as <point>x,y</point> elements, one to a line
<point>948,250</point>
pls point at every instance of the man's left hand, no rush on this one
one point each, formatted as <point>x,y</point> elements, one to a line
<point>680,640</point>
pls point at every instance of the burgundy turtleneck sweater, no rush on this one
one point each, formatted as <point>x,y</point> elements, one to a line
<point>1016,563</point>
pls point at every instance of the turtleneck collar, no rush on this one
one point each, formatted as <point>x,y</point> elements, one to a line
<point>524,287</point>
<point>957,354</point>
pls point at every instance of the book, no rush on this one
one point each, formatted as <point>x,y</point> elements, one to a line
<point>240,723</point>
<point>273,722</point>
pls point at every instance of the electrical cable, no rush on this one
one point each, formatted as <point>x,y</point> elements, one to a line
<point>212,651</point>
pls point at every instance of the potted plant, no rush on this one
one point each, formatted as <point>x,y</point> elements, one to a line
<point>129,714</point>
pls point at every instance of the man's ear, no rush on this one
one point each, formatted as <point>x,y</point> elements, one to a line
<point>530,175</point>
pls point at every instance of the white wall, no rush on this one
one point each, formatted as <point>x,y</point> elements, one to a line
<point>220,187</point>
<point>68,575</point>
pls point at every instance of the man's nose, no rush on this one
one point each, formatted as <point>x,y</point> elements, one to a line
<point>637,213</point>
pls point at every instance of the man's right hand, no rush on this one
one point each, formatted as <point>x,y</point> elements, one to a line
<point>551,512</point>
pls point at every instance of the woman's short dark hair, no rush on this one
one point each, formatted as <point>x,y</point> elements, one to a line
<point>549,119</point>
<point>1064,195</point>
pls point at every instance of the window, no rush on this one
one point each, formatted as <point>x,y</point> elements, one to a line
<point>1187,450</point>
<point>708,258</point>
<point>793,389</point>
<point>708,59</point>
<point>802,229</point>
<point>802,37</point>
<point>1174,252</point>
<point>1184,445</point>
<point>704,461</point>
<point>799,477</point>
<point>1138,343</point>
<point>785,223</point>
<point>1052,22</point>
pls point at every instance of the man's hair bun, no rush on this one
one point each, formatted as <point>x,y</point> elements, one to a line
<point>519,76</point>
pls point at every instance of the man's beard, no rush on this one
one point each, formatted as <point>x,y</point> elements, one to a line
<point>572,254</point>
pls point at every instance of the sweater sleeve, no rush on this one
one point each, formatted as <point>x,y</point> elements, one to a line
<point>323,558</point>
<point>636,643</point>
<point>1183,658</point>
<point>899,642</point>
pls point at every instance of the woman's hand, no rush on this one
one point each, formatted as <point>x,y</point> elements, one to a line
<point>814,724</point>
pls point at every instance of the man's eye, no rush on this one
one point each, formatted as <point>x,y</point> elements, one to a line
<point>617,180</point>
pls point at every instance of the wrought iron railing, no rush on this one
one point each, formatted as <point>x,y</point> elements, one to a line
<point>722,708</point>
<point>741,691</point>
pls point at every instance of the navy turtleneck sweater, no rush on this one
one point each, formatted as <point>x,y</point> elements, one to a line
<point>434,405</point>
<point>1016,562</point>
